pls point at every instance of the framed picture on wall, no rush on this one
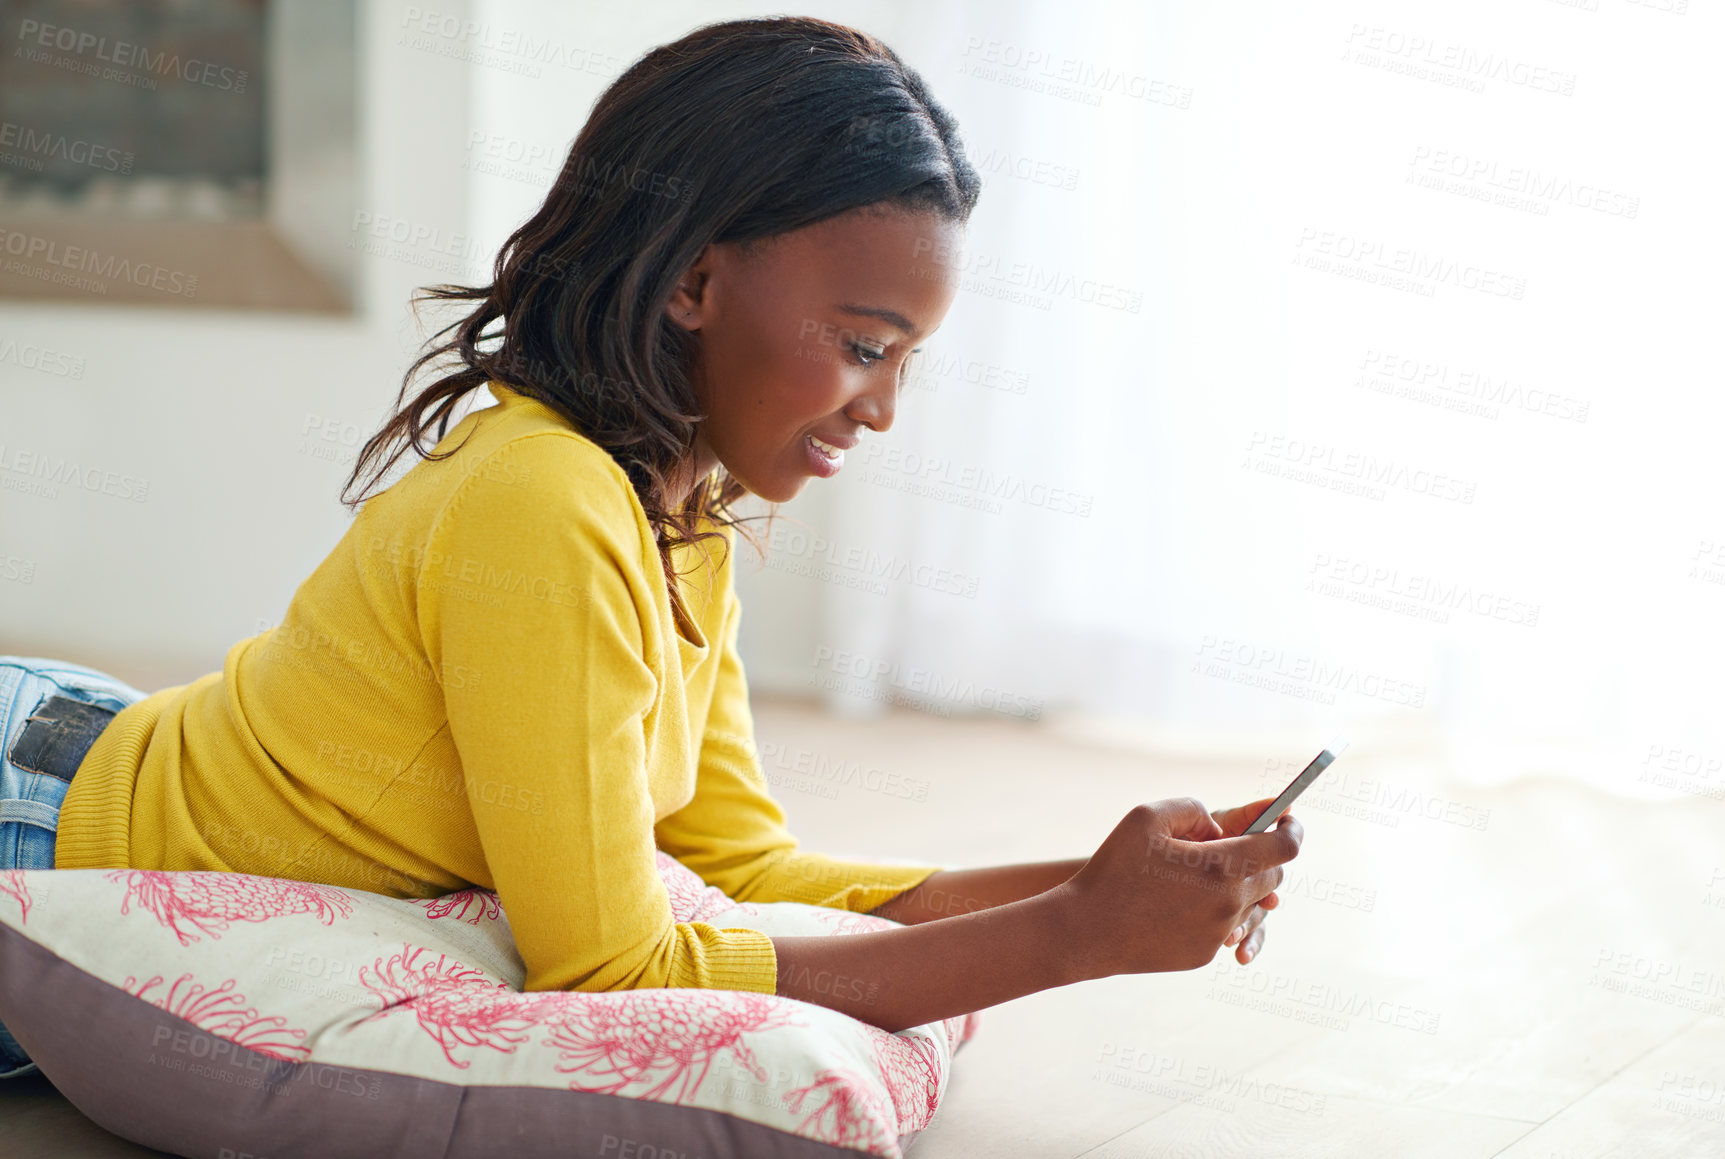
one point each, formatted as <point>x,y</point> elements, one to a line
<point>189,153</point>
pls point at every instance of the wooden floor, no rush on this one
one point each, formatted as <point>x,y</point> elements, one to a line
<point>1536,971</point>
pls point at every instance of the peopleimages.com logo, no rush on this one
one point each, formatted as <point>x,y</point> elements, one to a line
<point>40,39</point>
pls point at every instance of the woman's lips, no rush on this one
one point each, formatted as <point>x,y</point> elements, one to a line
<point>824,458</point>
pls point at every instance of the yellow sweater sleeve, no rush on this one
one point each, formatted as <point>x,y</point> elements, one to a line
<point>732,833</point>
<point>556,718</point>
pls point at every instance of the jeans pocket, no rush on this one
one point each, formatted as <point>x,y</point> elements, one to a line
<point>33,779</point>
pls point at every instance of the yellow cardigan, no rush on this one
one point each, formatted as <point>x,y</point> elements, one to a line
<point>484,684</point>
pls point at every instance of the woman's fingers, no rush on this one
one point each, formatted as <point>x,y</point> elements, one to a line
<point>1234,821</point>
<point>1254,938</point>
<point>1250,949</point>
<point>1247,938</point>
<point>1245,931</point>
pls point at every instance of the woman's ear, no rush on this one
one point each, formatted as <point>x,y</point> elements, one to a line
<point>690,300</point>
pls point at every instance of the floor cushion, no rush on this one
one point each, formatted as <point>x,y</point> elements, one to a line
<point>228,1015</point>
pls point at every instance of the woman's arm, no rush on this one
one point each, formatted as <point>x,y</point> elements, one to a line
<point>1165,891</point>
<point>951,892</point>
<point>940,968</point>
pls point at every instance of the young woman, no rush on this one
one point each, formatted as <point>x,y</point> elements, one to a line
<point>518,668</point>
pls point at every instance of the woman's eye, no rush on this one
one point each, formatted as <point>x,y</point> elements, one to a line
<point>868,356</point>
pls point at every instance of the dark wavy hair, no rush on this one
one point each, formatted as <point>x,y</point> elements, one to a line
<point>740,130</point>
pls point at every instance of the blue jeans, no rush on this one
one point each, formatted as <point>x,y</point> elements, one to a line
<point>30,802</point>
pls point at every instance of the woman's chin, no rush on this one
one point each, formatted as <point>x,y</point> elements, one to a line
<point>787,491</point>
<point>774,490</point>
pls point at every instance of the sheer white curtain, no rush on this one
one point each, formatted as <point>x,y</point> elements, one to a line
<point>1313,368</point>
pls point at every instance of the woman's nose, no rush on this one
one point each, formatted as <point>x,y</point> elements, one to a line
<point>875,408</point>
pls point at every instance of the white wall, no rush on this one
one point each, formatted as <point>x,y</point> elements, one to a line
<point>210,407</point>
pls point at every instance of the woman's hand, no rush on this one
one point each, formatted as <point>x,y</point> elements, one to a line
<point>1247,937</point>
<point>1172,884</point>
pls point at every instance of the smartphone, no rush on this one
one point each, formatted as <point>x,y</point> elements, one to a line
<point>1298,785</point>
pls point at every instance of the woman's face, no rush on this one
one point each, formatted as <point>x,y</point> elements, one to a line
<point>801,342</point>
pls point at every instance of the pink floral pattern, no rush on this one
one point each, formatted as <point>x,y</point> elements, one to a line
<point>455,1005</point>
<point>209,900</point>
<point>910,1064</point>
<point>12,885</point>
<point>612,1041</point>
<point>482,903</point>
<point>960,1028</point>
<point>849,923</point>
<point>843,1111</point>
<point>223,1012</point>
